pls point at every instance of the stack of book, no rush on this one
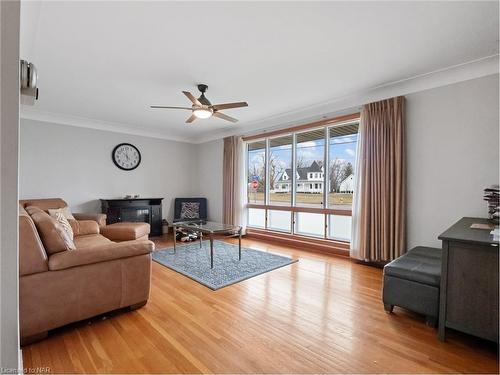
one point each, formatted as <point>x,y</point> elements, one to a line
<point>492,196</point>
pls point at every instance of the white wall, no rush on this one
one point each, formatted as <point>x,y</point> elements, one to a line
<point>75,164</point>
<point>10,359</point>
<point>209,184</point>
<point>453,149</point>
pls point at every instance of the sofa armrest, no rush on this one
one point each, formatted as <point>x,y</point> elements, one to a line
<point>98,218</point>
<point>75,258</point>
<point>83,227</point>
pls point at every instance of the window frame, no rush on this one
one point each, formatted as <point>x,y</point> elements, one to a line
<point>324,182</point>
<point>268,152</point>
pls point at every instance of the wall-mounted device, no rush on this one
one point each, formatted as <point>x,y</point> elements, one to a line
<point>29,78</point>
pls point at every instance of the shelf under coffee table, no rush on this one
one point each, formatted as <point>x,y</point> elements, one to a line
<point>209,228</point>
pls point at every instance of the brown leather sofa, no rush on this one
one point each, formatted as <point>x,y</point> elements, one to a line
<point>57,288</point>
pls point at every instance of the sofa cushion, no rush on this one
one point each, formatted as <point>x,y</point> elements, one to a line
<point>420,264</point>
<point>32,255</point>
<point>44,204</point>
<point>54,238</point>
<point>100,219</point>
<point>84,227</point>
<point>91,240</point>
<point>125,231</point>
<point>90,255</point>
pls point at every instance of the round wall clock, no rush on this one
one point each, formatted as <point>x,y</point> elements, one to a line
<point>126,156</point>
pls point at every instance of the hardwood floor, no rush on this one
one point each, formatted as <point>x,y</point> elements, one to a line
<point>322,314</point>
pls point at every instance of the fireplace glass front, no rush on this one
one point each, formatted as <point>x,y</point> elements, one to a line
<point>135,214</point>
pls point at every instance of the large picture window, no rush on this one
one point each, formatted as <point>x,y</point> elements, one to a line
<point>302,181</point>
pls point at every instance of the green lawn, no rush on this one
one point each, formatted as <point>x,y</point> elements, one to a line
<point>333,198</point>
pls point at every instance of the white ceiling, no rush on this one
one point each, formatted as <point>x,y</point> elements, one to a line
<point>108,61</point>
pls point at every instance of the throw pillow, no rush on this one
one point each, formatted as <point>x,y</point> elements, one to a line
<point>64,210</point>
<point>190,210</point>
<point>54,238</point>
<point>61,219</point>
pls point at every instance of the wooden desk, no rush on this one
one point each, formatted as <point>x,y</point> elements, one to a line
<point>469,281</point>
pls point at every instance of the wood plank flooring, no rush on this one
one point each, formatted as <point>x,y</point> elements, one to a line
<point>322,314</point>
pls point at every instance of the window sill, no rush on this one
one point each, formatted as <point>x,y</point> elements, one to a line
<point>314,210</point>
<point>305,243</point>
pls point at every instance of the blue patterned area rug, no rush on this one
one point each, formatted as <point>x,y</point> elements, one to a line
<point>194,262</point>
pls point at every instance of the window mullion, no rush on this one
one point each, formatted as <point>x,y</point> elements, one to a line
<point>294,177</point>
<point>325,169</point>
<point>325,178</point>
<point>267,184</point>
<point>294,167</point>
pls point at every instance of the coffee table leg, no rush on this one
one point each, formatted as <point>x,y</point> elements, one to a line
<point>211,251</point>
<point>175,236</point>
<point>239,245</point>
<point>201,238</point>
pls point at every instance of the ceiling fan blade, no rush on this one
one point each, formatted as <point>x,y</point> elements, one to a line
<point>191,119</point>
<point>224,117</point>
<point>192,98</point>
<point>160,106</point>
<point>229,105</point>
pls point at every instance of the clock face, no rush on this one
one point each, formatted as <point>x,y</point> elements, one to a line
<point>126,156</point>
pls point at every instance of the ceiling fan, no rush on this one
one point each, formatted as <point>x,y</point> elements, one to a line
<point>202,108</point>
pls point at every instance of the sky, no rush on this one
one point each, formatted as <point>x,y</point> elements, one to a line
<point>343,148</point>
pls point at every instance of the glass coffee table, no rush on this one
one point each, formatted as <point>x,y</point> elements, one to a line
<point>209,228</point>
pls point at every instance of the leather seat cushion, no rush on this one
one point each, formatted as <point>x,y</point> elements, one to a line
<point>91,240</point>
<point>125,231</point>
<point>420,264</point>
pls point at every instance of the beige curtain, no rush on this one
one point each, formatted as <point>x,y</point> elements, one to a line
<point>234,184</point>
<point>228,179</point>
<point>379,206</point>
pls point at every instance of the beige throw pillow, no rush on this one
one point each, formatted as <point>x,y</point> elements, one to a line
<point>65,211</point>
<point>54,238</point>
<point>61,219</point>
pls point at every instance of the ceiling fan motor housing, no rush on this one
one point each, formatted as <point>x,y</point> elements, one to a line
<point>202,99</point>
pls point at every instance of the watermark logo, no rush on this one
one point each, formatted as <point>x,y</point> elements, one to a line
<point>26,370</point>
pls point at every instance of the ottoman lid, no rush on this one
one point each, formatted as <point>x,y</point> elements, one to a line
<point>421,264</point>
<point>125,231</point>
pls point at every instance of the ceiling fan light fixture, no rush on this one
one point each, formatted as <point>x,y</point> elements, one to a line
<point>202,108</point>
<point>203,112</point>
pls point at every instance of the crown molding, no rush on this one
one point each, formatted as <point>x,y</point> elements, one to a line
<point>29,113</point>
<point>338,106</point>
<point>482,67</point>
